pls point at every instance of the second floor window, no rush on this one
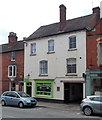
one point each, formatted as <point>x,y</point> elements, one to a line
<point>72,42</point>
<point>12,71</point>
<point>43,67</point>
<point>71,65</point>
<point>33,48</point>
<point>51,46</point>
<point>13,56</point>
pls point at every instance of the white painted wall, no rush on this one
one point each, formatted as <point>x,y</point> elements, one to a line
<point>57,60</point>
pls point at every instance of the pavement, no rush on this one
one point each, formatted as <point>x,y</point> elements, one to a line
<point>60,106</point>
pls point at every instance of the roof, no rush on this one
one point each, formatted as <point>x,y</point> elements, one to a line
<point>72,25</point>
<point>18,46</point>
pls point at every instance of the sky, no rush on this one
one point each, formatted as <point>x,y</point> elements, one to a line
<point>23,17</point>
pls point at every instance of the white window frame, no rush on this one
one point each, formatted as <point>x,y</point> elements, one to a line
<point>51,46</point>
<point>44,67</point>
<point>71,66</point>
<point>33,48</point>
<point>72,42</point>
<point>13,71</point>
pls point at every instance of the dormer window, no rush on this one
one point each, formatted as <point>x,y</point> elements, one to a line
<point>13,56</point>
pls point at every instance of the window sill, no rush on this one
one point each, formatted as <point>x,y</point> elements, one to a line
<point>12,60</point>
<point>73,49</point>
<point>43,75</point>
<point>51,52</point>
<point>33,54</point>
<point>71,74</point>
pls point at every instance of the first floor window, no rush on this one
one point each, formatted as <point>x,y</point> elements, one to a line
<point>12,71</point>
<point>71,65</point>
<point>13,56</point>
<point>43,67</point>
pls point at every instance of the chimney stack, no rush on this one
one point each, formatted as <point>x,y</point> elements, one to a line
<point>62,16</point>
<point>12,39</point>
<point>96,11</point>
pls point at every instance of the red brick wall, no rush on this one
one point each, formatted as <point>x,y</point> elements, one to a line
<point>19,62</point>
<point>91,46</point>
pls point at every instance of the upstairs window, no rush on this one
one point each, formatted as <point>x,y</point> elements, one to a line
<point>72,42</point>
<point>71,65</point>
<point>13,56</point>
<point>43,67</point>
<point>100,54</point>
<point>12,71</point>
<point>51,46</point>
<point>33,48</point>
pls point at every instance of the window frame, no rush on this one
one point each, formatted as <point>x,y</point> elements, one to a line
<point>33,48</point>
<point>43,67</point>
<point>50,46</point>
<point>72,44</point>
<point>71,68</point>
<point>13,71</point>
<point>13,55</point>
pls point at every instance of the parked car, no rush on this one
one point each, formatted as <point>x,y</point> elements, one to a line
<point>17,98</point>
<point>92,104</point>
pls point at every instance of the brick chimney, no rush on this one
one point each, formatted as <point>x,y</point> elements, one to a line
<point>12,39</point>
<point>62,16</point>
<point>96,11</point>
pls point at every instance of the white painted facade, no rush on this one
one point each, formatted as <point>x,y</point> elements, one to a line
<point>56,61</point>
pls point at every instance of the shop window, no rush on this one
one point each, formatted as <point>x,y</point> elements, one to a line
<point>44,89</point>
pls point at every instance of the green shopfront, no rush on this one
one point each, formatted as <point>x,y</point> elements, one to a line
<point>93,82</point>
<point>39,88</point>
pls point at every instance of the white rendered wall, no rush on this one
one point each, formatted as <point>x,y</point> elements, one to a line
<point>57,60</point>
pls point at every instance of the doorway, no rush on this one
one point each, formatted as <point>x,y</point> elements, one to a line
<point>29,88</point>
<point>73,92</point>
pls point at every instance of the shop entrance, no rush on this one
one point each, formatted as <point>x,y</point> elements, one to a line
<point>73,92</point>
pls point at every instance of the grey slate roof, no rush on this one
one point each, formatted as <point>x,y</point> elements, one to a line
<point>18,46</point>
<point>72,25</point>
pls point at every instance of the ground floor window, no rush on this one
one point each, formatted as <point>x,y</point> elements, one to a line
<point>44,88</point>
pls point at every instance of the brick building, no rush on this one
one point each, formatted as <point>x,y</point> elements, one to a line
<point>12,57</point>
<point>94,58</point>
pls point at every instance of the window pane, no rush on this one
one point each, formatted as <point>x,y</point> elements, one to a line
<point>50,45</point>
<point>33,48</point>
<point>43,67</point>
<point>72,42</point>
<point>71,65</point>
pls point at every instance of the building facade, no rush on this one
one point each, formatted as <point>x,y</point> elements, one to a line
<point>12,56</point>
<point>55,58</point>
<point>94,60</point>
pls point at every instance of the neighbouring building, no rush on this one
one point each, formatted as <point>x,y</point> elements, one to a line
<point>55,58</point>
<point>12,57</point>
<point>94,58</point>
